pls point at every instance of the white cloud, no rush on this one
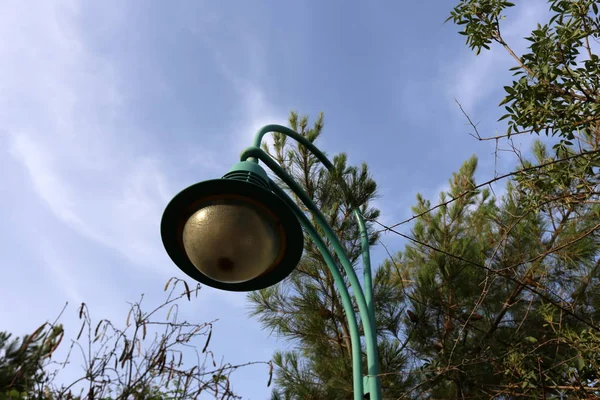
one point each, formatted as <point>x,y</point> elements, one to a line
<point>64,127</point>
<point>84,158</point>
<point>64,132</point>
<point>45,182</point>
<point>245,73</point>
<point>257,111</point>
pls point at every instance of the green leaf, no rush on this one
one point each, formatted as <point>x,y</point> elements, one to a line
<point>510,90</point>
<point>505,100</point>
<point>524,384</point>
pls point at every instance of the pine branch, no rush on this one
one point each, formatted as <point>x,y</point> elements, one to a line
<point>521,286</point>
<point>487,183</point>
<point>510,278</point>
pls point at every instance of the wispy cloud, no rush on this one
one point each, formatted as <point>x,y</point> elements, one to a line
<point>66,130</point>
<point>77,149</point>
<point>245,71</point>
<point>257,111</point>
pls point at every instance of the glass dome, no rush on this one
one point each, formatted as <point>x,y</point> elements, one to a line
<point>232,242</point>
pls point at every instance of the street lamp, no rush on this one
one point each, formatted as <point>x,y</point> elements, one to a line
<point>243,232</point>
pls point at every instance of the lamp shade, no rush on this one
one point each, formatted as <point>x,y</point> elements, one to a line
<point>233,233</point>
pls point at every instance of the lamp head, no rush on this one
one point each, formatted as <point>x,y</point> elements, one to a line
<point>233,233</point>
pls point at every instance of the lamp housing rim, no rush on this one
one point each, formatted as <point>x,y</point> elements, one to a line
<point>199,195</point>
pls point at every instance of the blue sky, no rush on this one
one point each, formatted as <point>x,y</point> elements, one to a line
<point>110,108</point>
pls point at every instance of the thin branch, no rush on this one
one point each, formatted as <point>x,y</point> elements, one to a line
<point>489,182</point>
<point>505,276</point>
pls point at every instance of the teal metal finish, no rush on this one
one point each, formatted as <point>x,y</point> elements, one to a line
<point>339,281</point>
<point>294,135</point>
<point>368,286</point>
<point>252,170</point>
<point>366,310</point>
<point>366,257</point>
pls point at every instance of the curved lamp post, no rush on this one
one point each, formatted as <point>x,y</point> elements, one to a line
<point>243,232</point>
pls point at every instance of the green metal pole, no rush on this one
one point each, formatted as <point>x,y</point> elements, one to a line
<point>366,257</point>
<point>357,376</point>
<point>294,135</point>
<point>367,318</point>
<point>373,378</point>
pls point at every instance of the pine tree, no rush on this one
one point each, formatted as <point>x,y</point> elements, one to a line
<point>504,294</point>
<point>22,361</point>
<point>495,297</point>
<point>306,308</point>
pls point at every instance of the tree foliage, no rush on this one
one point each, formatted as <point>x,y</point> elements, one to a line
<point>504,290</point>
<point>22,360</point>
<point>493,296</point>
<point>152,356</point>
<point>558,87</point>
<point>505,295</point>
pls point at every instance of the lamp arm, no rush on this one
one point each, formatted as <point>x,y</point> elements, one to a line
<point>366,258</point>
<point>341,286</point>
<point>367,319</point>
<point>294,135</point>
